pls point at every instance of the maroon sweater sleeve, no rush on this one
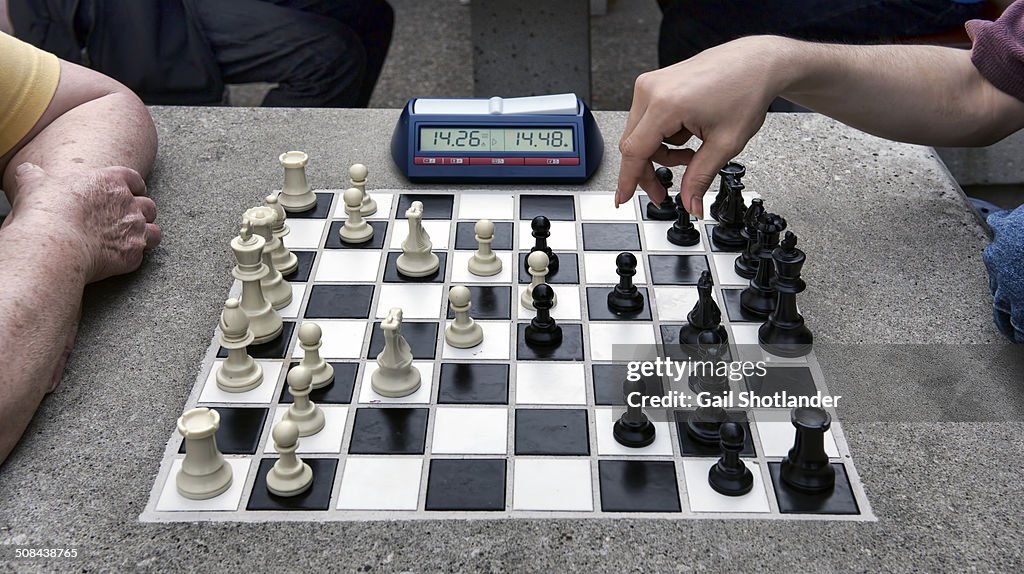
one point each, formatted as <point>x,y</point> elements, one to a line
<point>998,51</point>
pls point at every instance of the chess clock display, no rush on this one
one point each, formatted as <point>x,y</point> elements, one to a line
<point>550,138</point>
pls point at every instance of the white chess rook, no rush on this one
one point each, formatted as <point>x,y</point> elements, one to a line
<point>484,262</point>
<point>538,266</point>
<point>275,289</point>
<point>395,375</point>
<point>321,371</point>
<point>357,175</point>
<point>264,320</point>
<point>356,229</point>
<point>204,473</point>
<point>303,412</point>
<point>239,372</point>
<point>463,332</point>
<point>284,260</point>
<point>296,194</point>
<point>417,259</point>
<point>290,475</point>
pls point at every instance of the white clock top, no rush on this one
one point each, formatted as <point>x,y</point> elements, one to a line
<point>551,105</point>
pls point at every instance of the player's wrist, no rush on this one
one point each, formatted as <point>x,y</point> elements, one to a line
<point>51,243</point>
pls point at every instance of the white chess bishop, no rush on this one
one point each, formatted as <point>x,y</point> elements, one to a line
<point>285,261</point>
<point>417,259</point>
<point>296,194</point>
<point>275,289</point>
<point>264,321</point>
<point>290,475</point>
<point>463,332</point>
<point>538,266</point>
<point>204,473</point>
<point>395,375</point>
<point>357,176</point>
<point>356,229</point>
<point>484,262</point>
<point>239,372</point>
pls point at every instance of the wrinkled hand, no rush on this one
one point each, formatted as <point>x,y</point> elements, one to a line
<point>105,212</point>
<point>721,96</point>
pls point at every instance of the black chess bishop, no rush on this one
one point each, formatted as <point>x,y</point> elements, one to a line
<point>541,230</point>
<point>625,299</point>
<point>807,467</point>
<point>785,334</point>
<point>666,210</point>
<point>706,316</point>
<point>759,298</point>
<point>734,170</point>
<point>730,476</point>
<point>682,232</point>
<point>542,330</point>
<point>747,261</point>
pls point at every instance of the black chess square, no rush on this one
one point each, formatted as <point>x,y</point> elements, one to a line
<point>389,431</point>
<point>608,380</point>
<point>301,273</point>
<point>239,430</point>
<point>391,274</point>
<point>465,236</point>
<point>571,348</point>
<point>795,381</point>
<point>676,269</point>
<point>317,497</point>
<point>338,392</point>
<point>473,383</point>
<point>611,237</point>
<point>460,484</point>
<point>735,309</point>
<point>792,501</point>
<point>422,339</point>
<point>554,207</point>
<point>638,486</point>
<point>557,432</point>
<point>334,241</point>
<point>690,447</point>
<point>434,206</point>
<point>489,302</point>
<point>644,200</point>
<point>597,306</point>
<point>274,349</point>
<point>321,210</point>
<point>339,302</point>
<point>568,270</point>
<point>671,347</point>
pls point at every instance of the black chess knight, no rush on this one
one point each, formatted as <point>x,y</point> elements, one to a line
<point>734,170</point>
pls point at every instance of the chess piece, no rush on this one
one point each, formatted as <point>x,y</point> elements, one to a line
<point>275,289</point>
<point>355,230</point>
<point>395,375</point>
<point>747,261</point>
<point>296,194</point>
<point>289,476</point>
<point>463,332</point>
<point>732,169</point>
<point>541,230</point>
<point>727,234</point>
<point>239,372</point>
<point>284,260</point>
<point>633,429</point>
<point>484,262</point>
<point>625,298</point>
<point>785,334</point>
<point>264,320</point>
<point>321,372</point>
<point>666,210</point>
<point>730,476</point>
<point>759,298</point>
<point>682,232</point>
<point>204,473</point>
<point>537,264</point>
<point>542,330</point>
<point>705,315</point>
<point>417,259</point>
<point>704,423</point>
<point>807,467</point>
<point>303,412</point>
<point>357,176</point>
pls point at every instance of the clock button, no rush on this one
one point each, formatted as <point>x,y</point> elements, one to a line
<point>496,161</point>
<point>419,160</point>
<point>454,161</point>
<point>552,161</point>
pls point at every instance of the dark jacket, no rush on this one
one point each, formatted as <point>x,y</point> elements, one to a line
<point>155,47</point>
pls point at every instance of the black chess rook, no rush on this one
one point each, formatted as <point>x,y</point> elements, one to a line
<point>807,467</point>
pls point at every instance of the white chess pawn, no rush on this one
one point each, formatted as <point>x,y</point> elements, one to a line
<point>303,412</point>
<point>275,288</point>
<point>356,229</point>
<point>484,262</point>
<point>538,265</point>
<point>417,259</point>
<point>309,340</point>
<point>296,194</point>
<point>395,375</point>
<point>239,372</point>
<point>264,320</point>
<point>463,332</point>
<point>204,473</point>
<point>357,175</point>
<point>289,476</point>
<point>285,261</point>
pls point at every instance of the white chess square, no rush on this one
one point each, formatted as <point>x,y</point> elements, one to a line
<point>601,207</point>
<point>675,303</point>
<point>497,338</point>
<point>369,483</point>
<point>305,233</point>
<point>461,274</point>
<point>383,205</point>
<point>550,383</point>
<point>567,303</point>
<point>470,431</point>
<point>422,394</point>
<point>703,498</point>
<point>438,230</point>
<point>563,236</point>
<point>745,336</point>
<point>328,440</point>
<point>171,500</point>
<point>417,300</point>
<point>725,264</point>
<point>340,340</point>
<point>607,445</point>
<point>552,484</point>
<point>777,435</point>
<point>292,310</point>
<point>348,265</point>
<point>264,393</point>
<point>494,206</point>
<point>604,337</point>
<point>600,269</point>
<point>656,239</point>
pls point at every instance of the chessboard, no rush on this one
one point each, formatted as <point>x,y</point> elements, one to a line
<point>500,430</point>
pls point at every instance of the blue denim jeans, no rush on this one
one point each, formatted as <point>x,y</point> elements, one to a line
<point>1004,259</point>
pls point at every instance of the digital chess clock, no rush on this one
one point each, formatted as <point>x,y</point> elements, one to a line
<point>499,140</point>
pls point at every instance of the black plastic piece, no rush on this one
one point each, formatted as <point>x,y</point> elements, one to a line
<point>541,230</point>
<point>730,476</point>
<point>705,316</point>
<point>785,333</point>
<point>625,298</point>
<point>728,233</point>
<point>682,232</point>
<point>633,429</point>
<point>732,169</point>
<point>807,467</point>
<point>747,262</point>
<point>542,330</point>
<point>666,210</point>
<point>758,300</point>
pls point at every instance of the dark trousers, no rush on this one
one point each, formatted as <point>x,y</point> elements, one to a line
<point>320,53</point>
<point>690,26</point>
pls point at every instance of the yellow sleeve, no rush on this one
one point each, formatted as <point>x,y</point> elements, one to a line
<point>29,80</point>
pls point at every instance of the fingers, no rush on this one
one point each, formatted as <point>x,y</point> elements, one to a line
<point>147,206</point>
<point>701,171</point>
<point>153,235</point>
<point>637,149</point>
<point>129,177</point>
<point>669,157</point>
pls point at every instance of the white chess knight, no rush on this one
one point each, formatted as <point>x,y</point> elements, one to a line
<point>296,194</point>
<point>290,475</point>
<point>285,261</point>
<point>417,259</point>
<point>356,229</point>
<point>395,375</point>
<point>275,288</point>
<point>264,321</point>
<point>306,415</point>
<point>357,175</point>
<point>538,266</point>
<point>463,332</point>
<point>484,262</point>
<point>204,473</point>
<point>322,372</point>
<point>239,372</point>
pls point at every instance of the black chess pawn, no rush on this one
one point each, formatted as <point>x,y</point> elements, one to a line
<point>682,232</point>
<point>732,169</point>
<point>807,467</point>
<point>746,262</point>
<point>666,210</point>
<point>633,429</point>
<point>728,234</point>
<point>759,299</point>
<point>541,231</point>
<point>785,334</point>
<point>705,315</point>
<point>730,476</point>
<point>625,298</point>
<point>542,330</point>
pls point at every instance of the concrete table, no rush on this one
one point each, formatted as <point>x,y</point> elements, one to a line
<point>897,297</point>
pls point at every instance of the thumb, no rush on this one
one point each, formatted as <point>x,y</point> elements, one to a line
<point>701,171</point>
<point>28,172</point>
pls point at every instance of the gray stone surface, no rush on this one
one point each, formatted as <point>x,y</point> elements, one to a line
<point>893,258</point>
<point>997,164</point>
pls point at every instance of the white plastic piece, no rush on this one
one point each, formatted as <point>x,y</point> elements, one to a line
<point>275,289</point>
<point>549,105</point>
<point>285,261</point>
<point>264,320</point>
<point>484,262</point>
<point>463,332</point>
<point>303,412</point>
<point>296,194</point>
<point>538,267</point>
<point>356,229</point>
<point>309,340</point>
<point>395,375</point>
<point>357,175</point>
<point>204,473</point>
<point>289,476</point>
<point>417,259</point>
<point>239,372</point>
